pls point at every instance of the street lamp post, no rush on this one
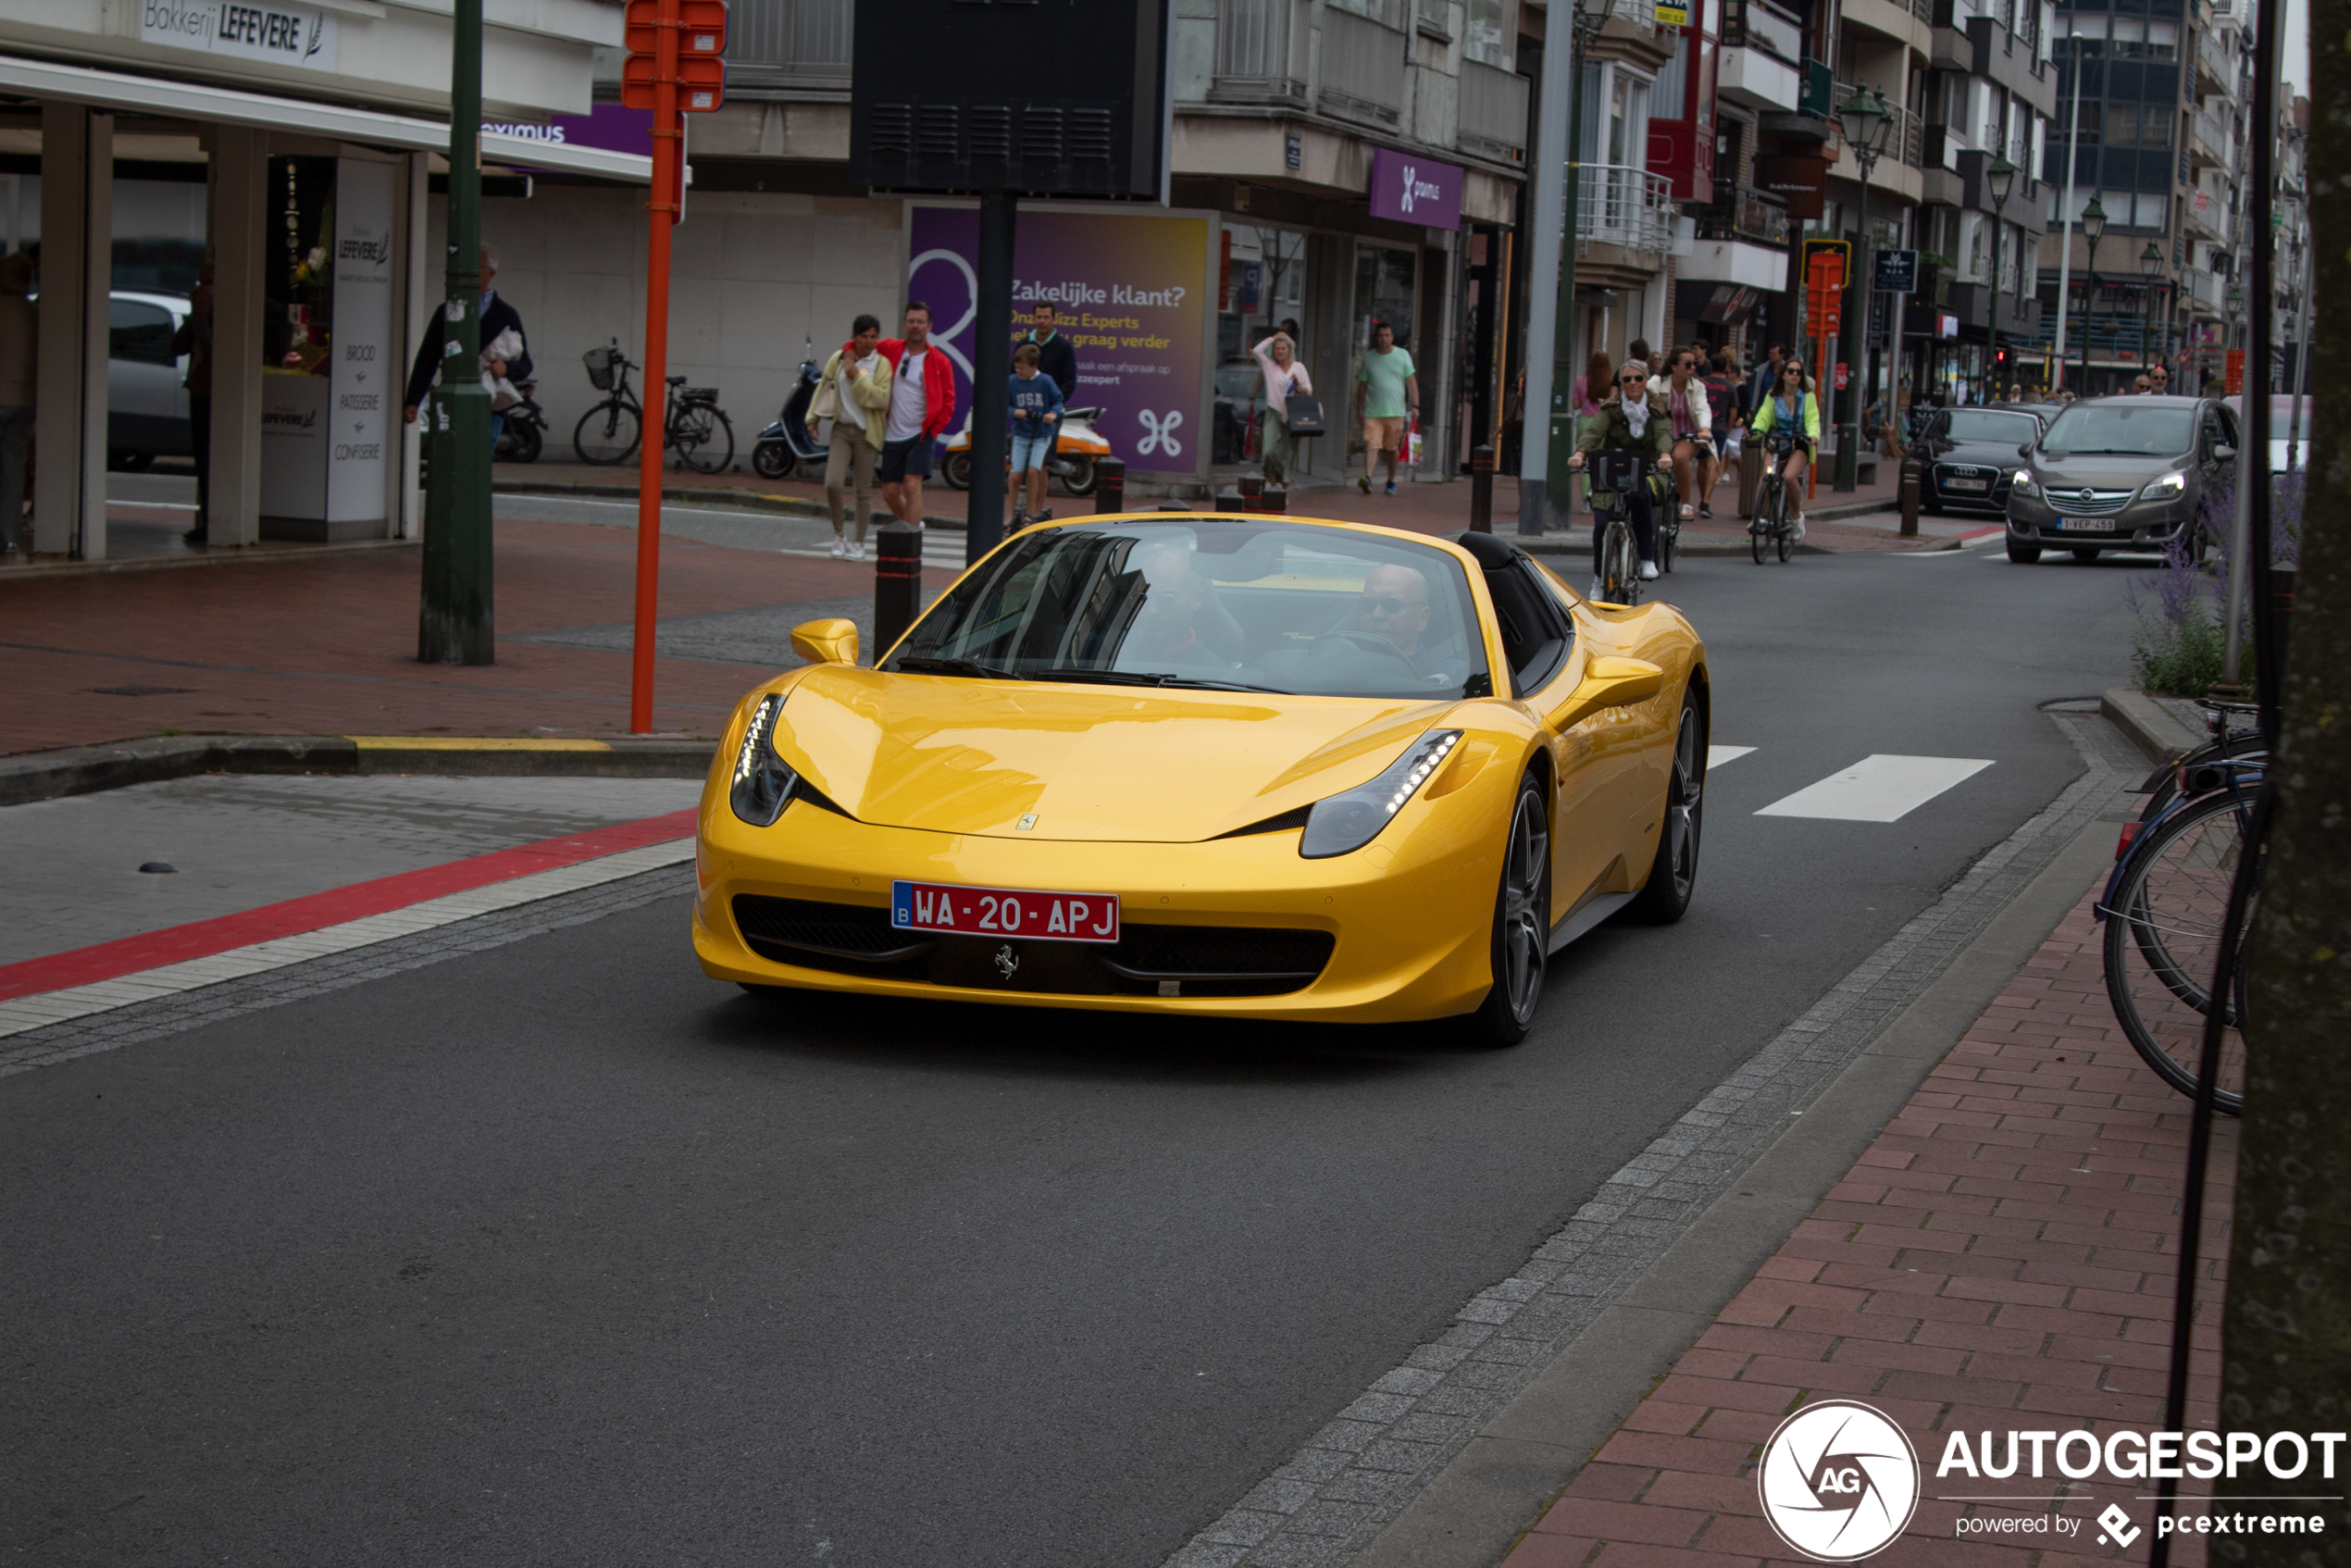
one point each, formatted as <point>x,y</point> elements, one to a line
<point>2150,263</point>
<point>1866,120</point>
<point>1556,488</point>
<point>2000,180</point>
<point>2093,229</point>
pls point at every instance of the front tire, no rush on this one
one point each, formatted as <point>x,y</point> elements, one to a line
<point>2087,556</point>
<point>1673,874</point>
<point>957,470</point>
<point>607,434</point>
<point>704,438</point>
<point>1520,952</point>
<point>1079,480</point>
<point>2024,554</point>
<point>773,460</point>
<point>519,443</point>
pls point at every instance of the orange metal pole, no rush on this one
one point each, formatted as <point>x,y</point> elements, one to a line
<point>661,211</point>
<point>1820,386</point>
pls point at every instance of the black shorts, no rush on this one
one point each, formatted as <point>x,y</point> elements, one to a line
<point>904,459</point>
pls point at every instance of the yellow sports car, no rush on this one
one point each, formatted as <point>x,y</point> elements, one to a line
<point>1247,766</point>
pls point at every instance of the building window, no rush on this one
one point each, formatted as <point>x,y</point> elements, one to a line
<point>1492,31</point>
<point>1389,13</point>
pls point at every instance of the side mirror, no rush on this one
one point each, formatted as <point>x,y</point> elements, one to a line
<point>2026,451</point>
<point>2224,454</point>
<point>826,643</point>
<point>1611,682</point>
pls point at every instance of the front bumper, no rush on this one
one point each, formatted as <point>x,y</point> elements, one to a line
<point>1405,922</point>
<point>2140,524</point>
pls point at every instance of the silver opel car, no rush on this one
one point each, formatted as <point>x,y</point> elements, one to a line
<point>2121,473</point>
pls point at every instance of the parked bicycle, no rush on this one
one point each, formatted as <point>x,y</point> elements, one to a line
<point>2163,909</point>
<point>1771,525</point>
<point>692,423</point>
<point>525,431</point>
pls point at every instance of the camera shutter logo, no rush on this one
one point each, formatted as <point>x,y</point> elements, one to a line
<point>1839,1481</point>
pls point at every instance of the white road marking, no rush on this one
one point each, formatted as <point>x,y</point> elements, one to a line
<point>1877,788</point>
<point>1717,755</point>
<point>43,1008</point>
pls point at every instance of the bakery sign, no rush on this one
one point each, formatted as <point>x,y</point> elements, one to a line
<point>261,31</point>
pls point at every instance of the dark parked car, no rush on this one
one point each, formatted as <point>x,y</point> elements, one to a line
<point>2122,473</point>
<point>1964,456</point>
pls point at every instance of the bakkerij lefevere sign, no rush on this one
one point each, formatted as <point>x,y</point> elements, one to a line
<point>1129,291</point>
<point>270,32</point>
<point>1406,189</point>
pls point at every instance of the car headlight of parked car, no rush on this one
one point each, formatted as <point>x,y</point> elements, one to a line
<point>764,782</point>
<point>2165,487</point>
<point>1349,820</point>
<point>2021,482</point>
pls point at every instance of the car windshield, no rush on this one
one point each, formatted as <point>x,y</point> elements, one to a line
<point>1203,602</point>
<point>2120,429</point>
<point>1984,424</point>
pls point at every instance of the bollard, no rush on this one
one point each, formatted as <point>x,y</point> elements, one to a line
<point>1230,501</point>
<point>1482,489</point>
<point>1110,485</point>
<point>1273,501</point>
<point>1909,502</point>
<point>1252,493</point>
<point>898,584</point>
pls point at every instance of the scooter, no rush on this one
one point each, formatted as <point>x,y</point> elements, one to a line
<point>525,430</point>
<point>1075,451</point>
<point>785,445</point>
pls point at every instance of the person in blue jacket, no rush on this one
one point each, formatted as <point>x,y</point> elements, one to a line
<point>1036,417</point>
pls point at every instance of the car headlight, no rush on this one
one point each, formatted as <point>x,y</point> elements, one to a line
<point>764,782</point>
<point>2021,482</point>
<point>1348,821</point>
<point>2165,488</point>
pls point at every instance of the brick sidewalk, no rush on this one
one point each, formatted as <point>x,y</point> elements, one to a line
<point>2002,1256</point>
<point>327,645</point>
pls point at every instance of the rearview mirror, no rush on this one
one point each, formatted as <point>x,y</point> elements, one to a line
<point>826,643</point>
<point>1611,682</point>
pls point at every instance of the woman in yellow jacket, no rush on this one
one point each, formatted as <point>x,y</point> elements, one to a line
<point>1793,407</point>
<point>853,394</point>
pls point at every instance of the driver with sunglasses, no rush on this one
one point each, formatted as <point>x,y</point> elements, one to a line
<point>1634,419</point>
<point>1395,606</point>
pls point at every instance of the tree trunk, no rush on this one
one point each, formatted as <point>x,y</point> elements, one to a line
<point>2286,1331</point>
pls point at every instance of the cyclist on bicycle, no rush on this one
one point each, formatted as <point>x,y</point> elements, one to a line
<point>1634,419</point>
<point>1790,406</point>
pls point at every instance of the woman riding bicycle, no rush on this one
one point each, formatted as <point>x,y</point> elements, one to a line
<point>1793,408</point>
<point>1633,419</point>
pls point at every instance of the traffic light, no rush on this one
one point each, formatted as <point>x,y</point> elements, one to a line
<point>701,72</point>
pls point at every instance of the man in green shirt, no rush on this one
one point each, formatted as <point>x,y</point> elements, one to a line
<point>1387,395</point>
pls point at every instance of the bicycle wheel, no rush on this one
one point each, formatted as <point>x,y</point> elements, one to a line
<point>1624,583</point>
<point>704,440</point>
<point>1783,531</point>
<point>607,434</point>
<point>2162,940</point>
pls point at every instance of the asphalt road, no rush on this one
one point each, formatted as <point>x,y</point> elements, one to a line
<point>562,1253</point>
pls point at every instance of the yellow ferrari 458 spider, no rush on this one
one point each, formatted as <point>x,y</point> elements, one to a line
<point>1252,767</point>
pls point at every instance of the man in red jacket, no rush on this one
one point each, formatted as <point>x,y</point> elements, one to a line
<point>922,404</point>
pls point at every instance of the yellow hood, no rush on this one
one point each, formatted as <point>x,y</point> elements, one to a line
<point>1088,762</point>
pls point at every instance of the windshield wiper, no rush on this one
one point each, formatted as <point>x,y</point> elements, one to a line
<point>924,663</point>
<point>1143,678</point>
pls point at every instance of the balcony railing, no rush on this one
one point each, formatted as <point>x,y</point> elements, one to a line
<point>1493,121</point>
<point>800,43</point>
<point>2214,57</point>
<point>1743,215</point>
<point>1362,68</point>
<point>1618,205</point>
<point>1260,52</point>
<point>1907,142</point>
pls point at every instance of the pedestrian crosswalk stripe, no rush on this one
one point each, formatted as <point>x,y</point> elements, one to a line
<point>1877,788</point>
<point>1717,755</point>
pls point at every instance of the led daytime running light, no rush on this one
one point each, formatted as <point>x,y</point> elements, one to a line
<point>1353,819</point>
<point>762,783</point>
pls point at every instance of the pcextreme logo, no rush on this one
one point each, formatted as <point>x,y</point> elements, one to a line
<point>1839,1481</point>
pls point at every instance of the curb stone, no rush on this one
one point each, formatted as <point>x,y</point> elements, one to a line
<point>2151,729</point>
<point>81,770</point>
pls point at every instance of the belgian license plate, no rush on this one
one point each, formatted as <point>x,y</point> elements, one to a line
<point>2083,525</point>
<point>1967,485</point>
<point>1004,911</point>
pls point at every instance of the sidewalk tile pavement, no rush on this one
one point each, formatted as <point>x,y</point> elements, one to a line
<point>2002,1257</point>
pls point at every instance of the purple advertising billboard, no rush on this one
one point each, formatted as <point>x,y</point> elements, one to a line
<point>1415,190</point>
<point>1130,293</point>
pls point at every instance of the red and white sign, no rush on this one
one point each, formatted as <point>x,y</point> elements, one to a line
<point>1004,911</point>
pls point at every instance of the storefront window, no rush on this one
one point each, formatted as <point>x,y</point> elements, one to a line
<point>1489,36</point>
<point>299,330</point>
<point>1385,294</point>
<point>1264,288</point>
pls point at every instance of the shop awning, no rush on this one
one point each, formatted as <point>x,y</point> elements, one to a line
<point>188,100</point>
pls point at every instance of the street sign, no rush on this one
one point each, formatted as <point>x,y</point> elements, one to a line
<point>2236,371</point>
<point>702,27</point>
<point>702,82</point>
<point>1898,272</point>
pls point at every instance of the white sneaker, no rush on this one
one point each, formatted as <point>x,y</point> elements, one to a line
<point>840,549</point>
<point>1649,571</point>
<point>1598,589</point>
<point>856,552</point>
<point>1799,526</point>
